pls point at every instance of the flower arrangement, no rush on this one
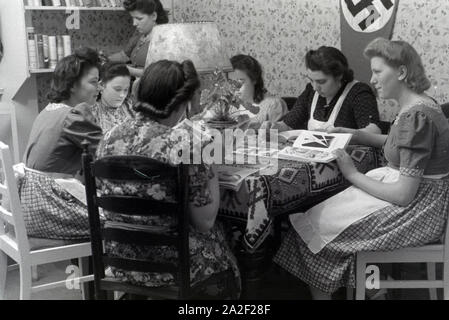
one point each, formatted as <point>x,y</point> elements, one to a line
<point>222,101</point>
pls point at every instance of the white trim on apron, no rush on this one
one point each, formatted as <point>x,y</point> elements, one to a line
<point>315,125</point>
<point>323,223</point>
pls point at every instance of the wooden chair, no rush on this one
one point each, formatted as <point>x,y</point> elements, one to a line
<point>18,246</point>
<point>141,169</point>
<point>430,254</point>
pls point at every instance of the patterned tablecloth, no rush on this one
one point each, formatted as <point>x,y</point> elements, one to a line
<point>294,186</point>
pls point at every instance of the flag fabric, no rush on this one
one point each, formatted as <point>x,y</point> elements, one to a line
<point>361,22</point>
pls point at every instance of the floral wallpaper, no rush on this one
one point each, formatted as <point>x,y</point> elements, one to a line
<point>279,32</point>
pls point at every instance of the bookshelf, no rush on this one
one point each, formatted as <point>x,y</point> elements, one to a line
<point>48,8</point>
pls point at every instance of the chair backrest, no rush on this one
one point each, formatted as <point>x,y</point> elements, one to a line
<point>11,214</point>
<point>137,169</point>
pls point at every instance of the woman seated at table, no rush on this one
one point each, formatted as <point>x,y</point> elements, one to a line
<point>145,14</point>
<point>113,106</point>
<point>402,205</point>
<point>332,98</point>
<point>248,71</point>
<point>54,150</point>
<point>165,91</point>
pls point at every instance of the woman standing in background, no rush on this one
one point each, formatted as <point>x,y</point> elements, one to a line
<point>145,14</point>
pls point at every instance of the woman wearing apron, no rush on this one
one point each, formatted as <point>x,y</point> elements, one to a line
<point>332,98</point>
<point>402,205</point>
<point>145,14</point>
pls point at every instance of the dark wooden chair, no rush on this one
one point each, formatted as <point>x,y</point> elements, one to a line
<point>140,169</point>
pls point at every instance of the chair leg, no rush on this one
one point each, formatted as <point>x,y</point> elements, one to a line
<point>431,275</point>
<point>360,279</point>
<point>25,282</point>
<point>446,281</point>
<point>3,272</point>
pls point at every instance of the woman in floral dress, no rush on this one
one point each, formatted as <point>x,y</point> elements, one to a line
<point>402,205</point>
<point>164,94</point>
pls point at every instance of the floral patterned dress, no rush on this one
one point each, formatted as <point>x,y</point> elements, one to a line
<point>107,117</point>
<point>213,268</point>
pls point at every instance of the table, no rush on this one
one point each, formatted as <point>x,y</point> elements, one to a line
<point>295,186</point>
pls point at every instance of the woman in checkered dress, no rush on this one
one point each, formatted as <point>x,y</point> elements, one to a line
<point>402,205</point>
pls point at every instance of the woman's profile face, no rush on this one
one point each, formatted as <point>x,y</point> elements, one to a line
<point>143,22</point>
<point>86,90</point>
<point>384,78</point>
<point>115,91</point>
<point>247,89</point>
<point>326,85</point>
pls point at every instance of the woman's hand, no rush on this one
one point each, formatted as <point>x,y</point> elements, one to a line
<point>345,164</point>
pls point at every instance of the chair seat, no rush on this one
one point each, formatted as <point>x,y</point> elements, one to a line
<point>40,243</point>
<point>428,253</point>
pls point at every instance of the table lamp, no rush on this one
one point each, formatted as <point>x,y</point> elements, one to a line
<point>196,41</point>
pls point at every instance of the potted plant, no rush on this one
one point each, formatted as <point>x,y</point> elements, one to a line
<point>221,103</point>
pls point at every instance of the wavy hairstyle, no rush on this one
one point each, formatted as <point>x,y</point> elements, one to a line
<point>165,85</point>
<point>397,54</point>
<point>330,61</point>
<point>253,69</point>
<point>148,7</point>
<point>69,72</point>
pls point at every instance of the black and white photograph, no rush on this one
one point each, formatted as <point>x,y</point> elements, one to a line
<point>121,173</point>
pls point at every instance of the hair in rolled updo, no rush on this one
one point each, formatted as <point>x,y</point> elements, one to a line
<point>69,71</point>
<point>165,85</point>
<point>330,61</point>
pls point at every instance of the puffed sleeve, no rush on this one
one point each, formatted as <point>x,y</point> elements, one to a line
<point>80,125</point>
<point>416,136</point>
<point>365,108</point>
<point>298,116</point>
<point>276,109</point>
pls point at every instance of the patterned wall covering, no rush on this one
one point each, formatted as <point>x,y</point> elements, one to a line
<point>105,30</point>
<point>279,33</point>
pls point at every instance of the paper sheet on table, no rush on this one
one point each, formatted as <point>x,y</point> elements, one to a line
<point>232,176</point>
<point>74,187</point>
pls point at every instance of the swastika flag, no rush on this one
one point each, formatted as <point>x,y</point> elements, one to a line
<point>361,22</point>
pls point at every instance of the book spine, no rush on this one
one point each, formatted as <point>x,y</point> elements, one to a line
<point>46,51</point>
<point>40,51</point>
<point>32,54</point>
<point>53,51</point>
<point>60,47</point>
<point>67,43</point>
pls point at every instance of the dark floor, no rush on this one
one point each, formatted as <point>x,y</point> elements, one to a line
<point>280,285</point>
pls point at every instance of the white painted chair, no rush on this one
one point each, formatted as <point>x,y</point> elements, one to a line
<point>17,244</point>
<point>430,254</point>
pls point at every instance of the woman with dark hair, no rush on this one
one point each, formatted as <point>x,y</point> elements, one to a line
<point>404,204</point>
<point>54,150</point>
<point>114,105</point>
<point>248,72</point>
<point>165,91</point>
<point>332,98</point>
<point>145,14</point>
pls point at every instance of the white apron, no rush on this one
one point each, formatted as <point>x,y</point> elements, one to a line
<point>315,125</point>
<point>323,223</point>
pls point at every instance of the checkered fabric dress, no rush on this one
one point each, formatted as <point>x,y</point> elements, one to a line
<point>390,228</point>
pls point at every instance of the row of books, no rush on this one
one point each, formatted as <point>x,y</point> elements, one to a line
<point>45,51</point>
<point>74,3</point>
